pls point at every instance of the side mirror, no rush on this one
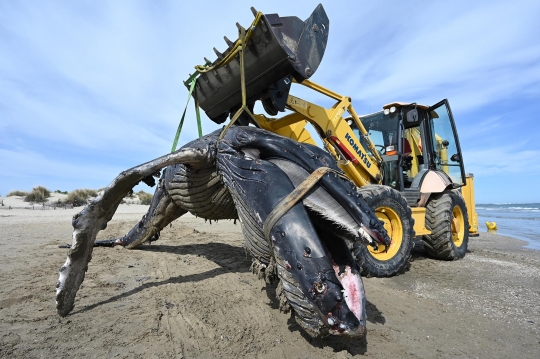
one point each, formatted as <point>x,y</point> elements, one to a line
<point>455,158</point>
<point>412,115</point>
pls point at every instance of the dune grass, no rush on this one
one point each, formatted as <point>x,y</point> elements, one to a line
<point>77,197</point>
<point>144,197</point>
<point>17,193</point>
<point>80,196</point>
<point>38,194</point>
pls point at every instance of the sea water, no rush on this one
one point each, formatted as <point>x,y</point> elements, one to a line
<point>518,220</point>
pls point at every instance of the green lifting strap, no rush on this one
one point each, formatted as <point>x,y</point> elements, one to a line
<point>192,80</point>
<point>199,126</point>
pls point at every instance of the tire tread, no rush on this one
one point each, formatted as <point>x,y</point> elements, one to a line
<point>439,243</point>
<point>373,194</point>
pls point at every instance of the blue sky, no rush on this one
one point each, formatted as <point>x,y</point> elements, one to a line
<point>90,88</point>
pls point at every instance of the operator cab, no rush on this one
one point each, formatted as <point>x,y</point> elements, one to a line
<point>414,140</point>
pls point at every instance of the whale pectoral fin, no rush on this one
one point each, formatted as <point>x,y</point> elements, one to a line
<point>95,216</point>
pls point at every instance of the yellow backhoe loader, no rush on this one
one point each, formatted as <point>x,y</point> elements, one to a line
<point>406,159</point>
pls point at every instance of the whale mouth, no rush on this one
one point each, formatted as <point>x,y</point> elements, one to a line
<point>338,245</point>
<point>352,285</point>
<point>337,231</point>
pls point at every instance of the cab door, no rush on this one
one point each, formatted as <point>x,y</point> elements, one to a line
<point>445,151</point>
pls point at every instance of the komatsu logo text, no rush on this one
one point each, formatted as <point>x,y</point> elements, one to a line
<point>362,155</point>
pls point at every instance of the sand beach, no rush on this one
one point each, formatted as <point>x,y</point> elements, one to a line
<point>191,295</point>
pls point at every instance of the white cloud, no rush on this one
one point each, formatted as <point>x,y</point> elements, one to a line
<point>485,53</point>
<point>502,160</point>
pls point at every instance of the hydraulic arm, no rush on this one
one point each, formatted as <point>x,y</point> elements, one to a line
<point>361,165</point>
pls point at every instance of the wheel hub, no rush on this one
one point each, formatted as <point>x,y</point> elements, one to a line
<point>457,226</point>
<point>392,225</point>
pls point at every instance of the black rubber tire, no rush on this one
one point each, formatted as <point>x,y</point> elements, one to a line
<point>383,196</point>
<point>439,244</point>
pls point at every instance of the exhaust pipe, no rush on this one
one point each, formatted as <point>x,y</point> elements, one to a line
<point>280,49</point>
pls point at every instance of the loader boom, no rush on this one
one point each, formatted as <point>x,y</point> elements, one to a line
<point>359,164</point>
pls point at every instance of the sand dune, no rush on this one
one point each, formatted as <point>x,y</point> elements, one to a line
<point>191,295</point>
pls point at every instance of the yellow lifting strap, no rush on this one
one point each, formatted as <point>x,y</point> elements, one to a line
<point>292,198</point>
<point>242,40</point>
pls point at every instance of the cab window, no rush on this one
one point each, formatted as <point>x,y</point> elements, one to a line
<point>445,147</point>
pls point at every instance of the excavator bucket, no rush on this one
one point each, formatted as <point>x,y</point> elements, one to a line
<point>279,49</point>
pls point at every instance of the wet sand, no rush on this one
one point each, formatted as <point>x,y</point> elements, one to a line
<point>191,295</point>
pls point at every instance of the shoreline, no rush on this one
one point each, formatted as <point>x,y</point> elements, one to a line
<point>528,243</point>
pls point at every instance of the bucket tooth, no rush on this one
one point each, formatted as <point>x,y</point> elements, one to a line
<point>187,84</point>
<point>254,11</point>
<point>218,54</point>
<point>229,42</point>
<point>206,61</point>
<point>240,28</point>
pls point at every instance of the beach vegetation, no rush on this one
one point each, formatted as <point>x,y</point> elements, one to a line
<point>38,194</point>
<point>79,197</point>
<point>144,197</point>
<point>61,192</point>
<point>17,193</point>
